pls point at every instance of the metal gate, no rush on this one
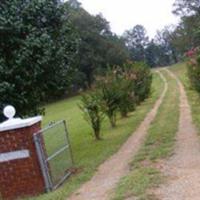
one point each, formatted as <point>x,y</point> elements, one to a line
<point>54,154</point>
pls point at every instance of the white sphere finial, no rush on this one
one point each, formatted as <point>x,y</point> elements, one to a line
<point>9,111</point>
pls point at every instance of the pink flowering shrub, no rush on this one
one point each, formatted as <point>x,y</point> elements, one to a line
<point>193,67</point>
<point>119,90</point>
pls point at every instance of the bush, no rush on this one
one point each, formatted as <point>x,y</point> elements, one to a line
<point>127,98</point>
<point>126,93</point>
<point>140,76</point>
<point>193,68</point>
<point>110,98</point>
<point>90,105</point>
<point>122,88</point>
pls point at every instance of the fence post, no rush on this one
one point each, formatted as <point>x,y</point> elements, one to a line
<point>70,148</point>
<point>43,164</point>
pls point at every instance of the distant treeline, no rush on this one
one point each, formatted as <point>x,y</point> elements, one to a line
<point>50,49</point>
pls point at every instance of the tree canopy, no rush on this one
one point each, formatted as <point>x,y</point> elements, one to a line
<point>98,46</point>
<point>186,35</point>
<point>36,48</point>
<point>136,41</point>
<point>185,7</point>
<point>52,48</point>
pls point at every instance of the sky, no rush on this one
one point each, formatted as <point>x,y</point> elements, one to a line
<point>125,14</point>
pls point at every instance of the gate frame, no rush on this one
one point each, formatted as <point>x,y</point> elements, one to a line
<point>43,159</point>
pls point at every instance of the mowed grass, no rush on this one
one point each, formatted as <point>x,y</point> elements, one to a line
<point>193,97</point>
<point>89,154</point>
<point>144,170</point>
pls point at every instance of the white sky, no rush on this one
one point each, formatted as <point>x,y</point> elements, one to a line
<point>124,14</point>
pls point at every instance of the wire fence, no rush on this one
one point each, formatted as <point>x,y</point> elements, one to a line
<point>54,153</point>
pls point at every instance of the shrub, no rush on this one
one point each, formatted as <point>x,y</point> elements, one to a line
<point>122,88</point>
<point>110,97</point>
<point>193,68</point>
<point>126,94</point>
<point>90,105</point>
<point>140,76</point>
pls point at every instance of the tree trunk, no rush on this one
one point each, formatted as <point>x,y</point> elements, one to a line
<point>97,135</point>
<point>113,121</point>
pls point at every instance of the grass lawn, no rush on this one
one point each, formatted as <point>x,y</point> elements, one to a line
<point>193,97</point>
<point>144,173</point>
<point>88,153</point>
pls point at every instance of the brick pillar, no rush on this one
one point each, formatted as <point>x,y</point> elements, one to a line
<point>20,173</point>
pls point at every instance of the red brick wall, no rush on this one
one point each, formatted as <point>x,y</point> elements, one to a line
<point>22,177</point>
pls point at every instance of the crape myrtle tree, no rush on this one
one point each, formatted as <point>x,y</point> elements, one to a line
<point>37,45</point>
<point>91,107</point>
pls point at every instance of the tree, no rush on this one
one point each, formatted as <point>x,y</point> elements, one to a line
<point>152,53</point>
<point>98,47</point>
<point>114,51</point>
<point>187,34</point>
<point>90,105</point>
<point>74,4</point>
<point>186,8</point>
<point>157,52</point>
<point>35,53</point>
<point>136,41</point>
<point>90,30</point>
<point>168,53</point>
<point>110,96</point>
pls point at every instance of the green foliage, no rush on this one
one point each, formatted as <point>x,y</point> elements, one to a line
<point>185,7</point>
<point>157,52</point>
<point>167,53</point>
<point>140,75</point>
<point>122,88</point>
<point>92,110</point>
<point>126,94</point>
<point>136,40</point>
<point>98,46</point>
<point>185,35</point>
<point>36,47</point>
<point>152,54</point>
<point>193,68</point>
<point>115,51</point>
<point>108,87</point>
<point>118,80</point>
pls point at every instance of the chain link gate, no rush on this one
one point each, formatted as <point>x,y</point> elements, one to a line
<point>54,154</point>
